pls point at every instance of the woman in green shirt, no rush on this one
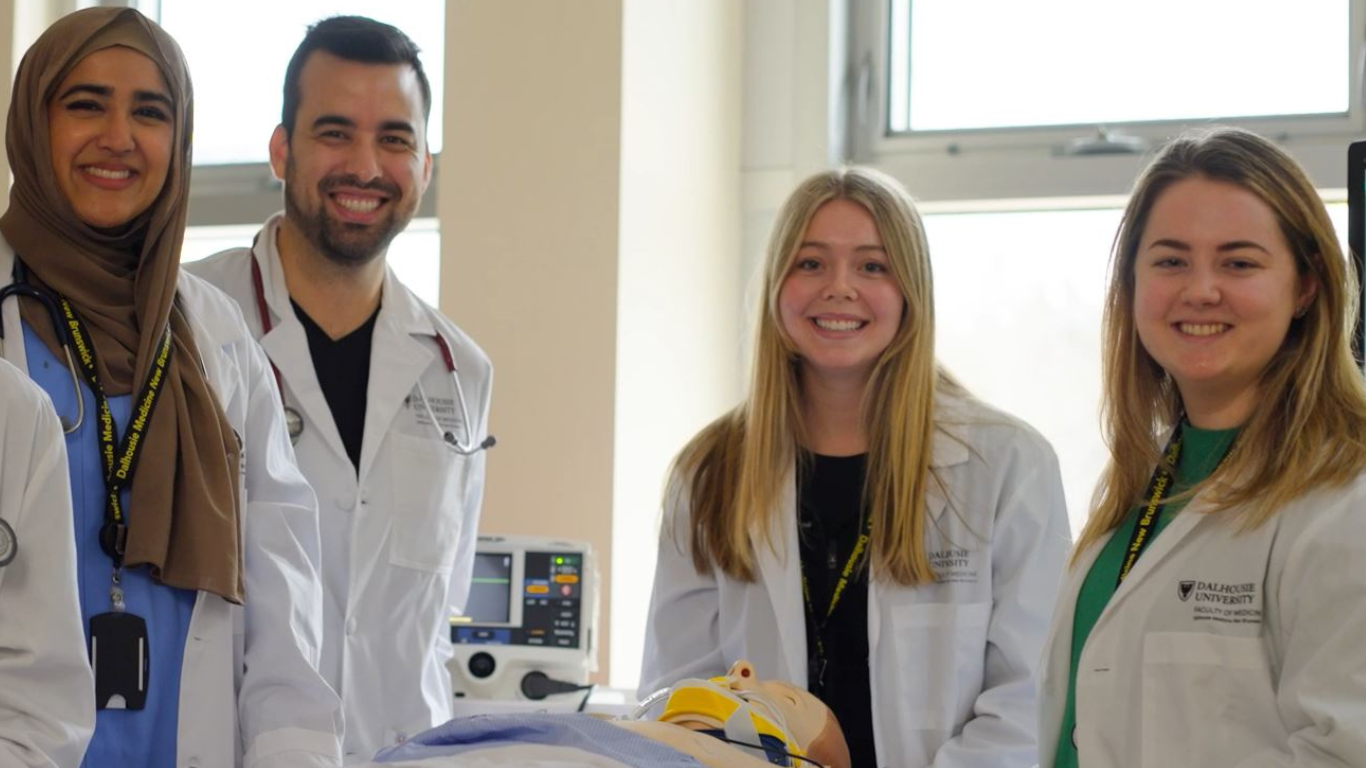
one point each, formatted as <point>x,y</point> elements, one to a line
<point>1212,614</point>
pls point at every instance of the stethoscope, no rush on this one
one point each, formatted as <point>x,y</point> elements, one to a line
<point>9,542</point>
<point>294,421</point>
<point>22,287</point>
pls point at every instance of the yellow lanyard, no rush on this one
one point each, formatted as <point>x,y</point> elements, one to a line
<point>818,670</point>
<point>119,461</point>
<point>1152,510</point>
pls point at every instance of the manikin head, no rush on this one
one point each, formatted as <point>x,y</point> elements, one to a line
<point>774,708</point>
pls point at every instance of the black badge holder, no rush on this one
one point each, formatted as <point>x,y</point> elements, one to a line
<point>119,655</point>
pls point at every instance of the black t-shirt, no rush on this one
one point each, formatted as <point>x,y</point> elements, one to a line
<point>830,518</point>
<point>343,368</point>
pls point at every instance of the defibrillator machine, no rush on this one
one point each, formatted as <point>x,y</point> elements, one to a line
<point>530,622</point>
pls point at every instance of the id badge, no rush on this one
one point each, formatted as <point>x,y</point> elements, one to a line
<point>119,656</point>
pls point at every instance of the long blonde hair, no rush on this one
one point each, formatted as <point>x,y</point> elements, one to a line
<point>736,465</point>
<point>1311,430</point>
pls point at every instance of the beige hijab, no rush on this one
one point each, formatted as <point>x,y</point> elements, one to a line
<point>183,511</point>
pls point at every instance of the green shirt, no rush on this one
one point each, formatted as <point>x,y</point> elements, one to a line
<point>1201,452</point>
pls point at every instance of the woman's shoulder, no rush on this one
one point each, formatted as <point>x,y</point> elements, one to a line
<point>1331,511</point>
<point>214,313</point>
<point>980,429</point>
<point>1315,541</point>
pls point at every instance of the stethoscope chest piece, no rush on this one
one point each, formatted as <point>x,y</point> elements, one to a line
<point>9,544</point>
<point>294,422</point>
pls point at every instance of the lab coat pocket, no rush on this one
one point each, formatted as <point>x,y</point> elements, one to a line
<point>427,478</point>
<point>1207,699</point>
<point>939,650</point>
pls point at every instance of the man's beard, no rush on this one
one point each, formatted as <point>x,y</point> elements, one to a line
<point>344,243</point>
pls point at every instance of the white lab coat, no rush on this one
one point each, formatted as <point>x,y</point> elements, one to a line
<point>399,540</point>
<point>250,692</point>
<point>1221,648</point>
<point>951,663</point>
<point>47,692</point>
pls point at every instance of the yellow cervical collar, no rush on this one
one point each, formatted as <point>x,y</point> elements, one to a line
<point>715,703</point>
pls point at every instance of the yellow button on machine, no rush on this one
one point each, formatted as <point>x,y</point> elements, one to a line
<point>537,589</point>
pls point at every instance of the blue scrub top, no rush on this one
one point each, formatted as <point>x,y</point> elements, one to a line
<point>122,738</point>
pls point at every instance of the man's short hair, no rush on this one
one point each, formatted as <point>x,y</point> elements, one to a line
<point>354,38</point>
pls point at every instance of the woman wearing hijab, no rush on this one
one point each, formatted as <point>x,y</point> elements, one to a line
<point>196,537</point>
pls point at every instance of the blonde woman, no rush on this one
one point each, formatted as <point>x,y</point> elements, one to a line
<point>860,525</point>
<point>1213,610</point>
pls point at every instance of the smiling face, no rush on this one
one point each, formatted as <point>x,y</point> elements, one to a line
<point>840,304</point>
<point>1215,290</point>
<point>357,163</point>
<point>111,130</point>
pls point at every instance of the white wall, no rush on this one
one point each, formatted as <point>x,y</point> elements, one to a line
<point>679,285</point>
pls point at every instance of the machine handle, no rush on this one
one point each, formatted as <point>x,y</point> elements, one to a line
<point>537,685</point>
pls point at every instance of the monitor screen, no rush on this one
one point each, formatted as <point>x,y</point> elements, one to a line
<point>1356,231</point>
<point>490,589</point>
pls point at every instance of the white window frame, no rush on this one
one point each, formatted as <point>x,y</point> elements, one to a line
<point>1027,162</point>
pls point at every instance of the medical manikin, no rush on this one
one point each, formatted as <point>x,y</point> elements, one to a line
<point>736,721</point>
<point>712,720</point>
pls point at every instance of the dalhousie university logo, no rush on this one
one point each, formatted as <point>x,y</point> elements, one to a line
<point>1184,589</point>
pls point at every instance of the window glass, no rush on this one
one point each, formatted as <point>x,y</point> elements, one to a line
<point>1018,300</point>
<point>238,57</point>
<point>971,64</point>
<point>415,255</point>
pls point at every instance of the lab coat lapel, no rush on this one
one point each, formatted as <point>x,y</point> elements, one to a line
<point>212,333</point>
<point>781,575</point>
<point>398,358</point>
<point>287,346</point>
<point>1185,523</point>
<point>946,451</point>
<point>1058,646</point>
<point>1056,665</point>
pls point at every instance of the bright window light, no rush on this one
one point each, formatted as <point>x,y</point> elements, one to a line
<point>1018,301</point>
<point>973,64</point>
<point>238,57</point>
<point>415,255</point>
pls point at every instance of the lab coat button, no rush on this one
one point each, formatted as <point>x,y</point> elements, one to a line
<point>365,498</point>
